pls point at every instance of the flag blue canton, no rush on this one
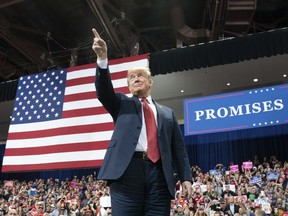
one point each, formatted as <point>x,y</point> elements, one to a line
<point>39,97</point>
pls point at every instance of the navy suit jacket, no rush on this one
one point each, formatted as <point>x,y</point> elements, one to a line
<point>127,116</point>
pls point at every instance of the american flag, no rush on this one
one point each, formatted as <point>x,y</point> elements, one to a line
<point>57,120</point>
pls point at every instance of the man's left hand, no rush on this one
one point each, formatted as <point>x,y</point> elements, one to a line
<point>187,189</point>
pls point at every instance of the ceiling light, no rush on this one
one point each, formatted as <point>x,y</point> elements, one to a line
<point>255,80</point>
<point>182,91</point>
<point>228,84</point>
<point>284,75</point>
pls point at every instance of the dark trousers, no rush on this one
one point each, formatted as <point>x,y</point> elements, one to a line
<point>141,191</point>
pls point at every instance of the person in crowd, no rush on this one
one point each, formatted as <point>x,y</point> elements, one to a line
<point>38,209</point>
<point>220,168</point>
<point>242,212</point>
<point>87,199</point>
<point>252,194</point>
<point>146,144</point>
<point>12,212</point>
<point>218,205</point>
<point>51,210</point>
<point>260,212</point>
<point>201,211</point>
<point>210,192</point>
<point>19,197</point>
<point>231,207</point>
<point>180,211</point>
<point>285,182</point>
<point>87,210</point>
<point>218,213</point>
<point>228,192</point>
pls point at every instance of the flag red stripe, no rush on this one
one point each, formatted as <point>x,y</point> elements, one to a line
<point>80,96</point>
<point>128,59</point>
<point>61,131</point>
<point>82,67</point>
<point>53,166</point>
<point>119,75</point>
<point>57,148</point>
<point>91,79</point>
<point>90,95</point>
<point>84,112</point>
<point>80,81</point>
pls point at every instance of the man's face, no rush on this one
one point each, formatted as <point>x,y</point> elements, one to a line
<point>139,83</point>
<point>222,204</point>
<point>231,199</point>
<point>201,209</point>
<point>12,212</point>
<point>179,209</point>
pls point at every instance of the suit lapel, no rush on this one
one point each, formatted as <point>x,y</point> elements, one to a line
<point>160,115</point>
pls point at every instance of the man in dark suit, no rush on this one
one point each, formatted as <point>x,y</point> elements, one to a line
<point>140,183</point>
<point>231,207</point>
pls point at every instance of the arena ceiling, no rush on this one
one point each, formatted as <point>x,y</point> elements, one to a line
<point>36,36</point>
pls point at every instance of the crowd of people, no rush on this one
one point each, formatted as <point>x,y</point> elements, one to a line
<point>237,192</point>
<point>221,191</point>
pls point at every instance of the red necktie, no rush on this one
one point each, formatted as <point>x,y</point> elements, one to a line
<point>151,130</point>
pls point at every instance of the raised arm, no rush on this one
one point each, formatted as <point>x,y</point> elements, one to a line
<point>99,46</point>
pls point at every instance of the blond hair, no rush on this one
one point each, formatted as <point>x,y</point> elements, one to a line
<point>146,70</point>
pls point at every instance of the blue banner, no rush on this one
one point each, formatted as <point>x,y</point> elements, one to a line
<point>234,111</point>
<point>255,179</point>
<point>272,176</point>
<point>213,172</point>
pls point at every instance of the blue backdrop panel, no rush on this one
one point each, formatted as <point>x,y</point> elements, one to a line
<point>238,110</point>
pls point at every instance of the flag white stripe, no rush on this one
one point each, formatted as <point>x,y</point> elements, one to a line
<point>120,83</point>
<point>83,120</point>
<point>55,157</point>
<point>61,139</point>
<point>74,105</point>
<point>117,83</point>
<point>81,73</point>
<point>76,89</point>
<point>128,65</point>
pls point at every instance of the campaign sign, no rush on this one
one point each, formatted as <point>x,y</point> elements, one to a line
<point>231,187</point>
<point>247,165</point>
<point>74,184</point>
<point>105,201</point>
<point>255,179</point>
<point>266,207</point>
<point>234,111</point>
<point>234,168</point>
<point>203,188</point>
<point>272,176</point>
<point>213,172</point>
<point>9,183</point>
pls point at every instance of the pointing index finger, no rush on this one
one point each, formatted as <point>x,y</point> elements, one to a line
<point>95,33</point>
